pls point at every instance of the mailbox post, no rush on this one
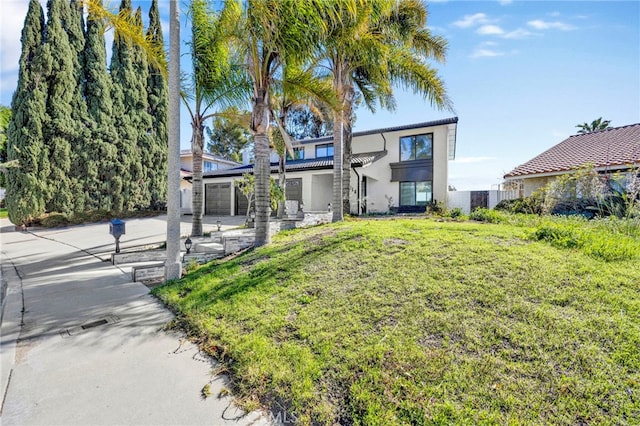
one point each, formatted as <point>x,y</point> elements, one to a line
<point>117,229</point>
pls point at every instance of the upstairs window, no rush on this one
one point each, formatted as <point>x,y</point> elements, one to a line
<point>324,150</point>
<point>418,147</point>
<point>298,154</point>
<point>208,166</point>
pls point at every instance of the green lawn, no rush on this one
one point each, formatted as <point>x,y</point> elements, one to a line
<point>382,322</point>
<point>3,213</point>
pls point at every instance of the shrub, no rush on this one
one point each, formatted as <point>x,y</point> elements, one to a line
<point>435,207</point>
<point>527,205</point>
<point>602,239</point>
<point>55,220</point>
<point>486,215</point>
<point>455,213</point>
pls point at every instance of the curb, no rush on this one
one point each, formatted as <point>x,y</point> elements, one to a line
<point>10,320</point>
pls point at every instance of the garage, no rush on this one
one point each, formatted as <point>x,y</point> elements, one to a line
<point>217,199</point>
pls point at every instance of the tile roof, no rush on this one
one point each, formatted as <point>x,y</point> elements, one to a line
<point>357,160</point>
<point>618,146</point>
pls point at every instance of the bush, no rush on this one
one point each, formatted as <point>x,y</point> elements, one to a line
<point>528,205</point>
<point>55,220</point>
<point>434,207</point>
<point>455,213</point>
<point>486,215</point>
<point>602,239</point>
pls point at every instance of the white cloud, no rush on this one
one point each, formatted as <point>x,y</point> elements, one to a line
<point>519,33</point>
<point>469,160</point>
<point>11,22</point>
<point>539,24</point>
<point>486,53</point>
<point>471,20</point>
<point>490,30</point>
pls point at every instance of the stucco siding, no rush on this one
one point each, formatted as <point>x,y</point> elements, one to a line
<point>531,185</point>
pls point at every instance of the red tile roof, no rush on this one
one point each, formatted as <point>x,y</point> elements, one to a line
<point>618,146</point>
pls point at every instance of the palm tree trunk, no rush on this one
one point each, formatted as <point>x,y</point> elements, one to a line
<point>282,181</point>
<point>347,136</point>
<point>262,169</point>
<point>338,145</point>
<point>337,205</point>
<point>173,267</point>
<point>197,188</point>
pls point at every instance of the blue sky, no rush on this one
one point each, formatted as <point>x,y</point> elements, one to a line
<point>521,75</point>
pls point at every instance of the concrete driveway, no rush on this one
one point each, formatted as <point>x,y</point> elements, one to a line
<point>82,345</point>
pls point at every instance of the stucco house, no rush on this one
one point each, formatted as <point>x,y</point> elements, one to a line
<point>210,163</point>
<point>608,151</point>
<point>401,168</point>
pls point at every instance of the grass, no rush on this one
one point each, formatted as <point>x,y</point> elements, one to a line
<point>3,213</point>
<point>417,322</point>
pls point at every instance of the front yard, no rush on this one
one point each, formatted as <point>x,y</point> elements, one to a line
<point>418,321</point>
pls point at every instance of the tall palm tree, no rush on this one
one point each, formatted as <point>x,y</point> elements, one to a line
<point>173,266</point>
<point>594,126</point>
<point>384,44</point>
<point>272,35</point>
<point>216,81</point>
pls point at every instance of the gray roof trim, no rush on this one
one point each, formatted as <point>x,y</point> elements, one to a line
<point>434,123</point>
<point>357,160</point>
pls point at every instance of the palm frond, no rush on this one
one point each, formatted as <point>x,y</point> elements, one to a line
<point>128,30</point>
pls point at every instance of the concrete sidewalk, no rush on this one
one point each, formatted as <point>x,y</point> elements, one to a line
<point>83,345</point>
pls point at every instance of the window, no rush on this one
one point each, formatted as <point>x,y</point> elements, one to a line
<point>415,193</point>
<point>324,150</point>
<point>418,147</point>
<point>208,166</point>
<point>298,154</point>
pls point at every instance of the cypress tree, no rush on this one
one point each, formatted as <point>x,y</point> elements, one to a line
<point>126,102</point>
<point>82,161</point>
<point>158,96</point>
<point>101,146</point>
<point>25,195</point>
<point>60,130</point>
<point>144,121</point>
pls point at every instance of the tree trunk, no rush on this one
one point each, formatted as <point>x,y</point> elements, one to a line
<point>282,181</point>
<point>337,204</point>
<point>347,136</point>
<point>173,267</point>
<point>338,145</point>
<point>262,169</point>
<point>197,188</point>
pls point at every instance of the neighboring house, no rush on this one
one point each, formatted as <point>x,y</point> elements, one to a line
<point>608,151</point>
<point>398,168</point>
<point>210,163</point>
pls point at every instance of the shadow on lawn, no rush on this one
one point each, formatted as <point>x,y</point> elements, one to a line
<point>263,267</point>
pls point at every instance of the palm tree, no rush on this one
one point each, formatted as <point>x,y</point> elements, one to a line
<point>273,35</point>
<point>598,124</point>
<point>384,44</point>
<point>173,266</point>
<point>298,89</point>
<point>216,81</point>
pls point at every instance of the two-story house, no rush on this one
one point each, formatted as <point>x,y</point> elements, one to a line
<point>397,168</point>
